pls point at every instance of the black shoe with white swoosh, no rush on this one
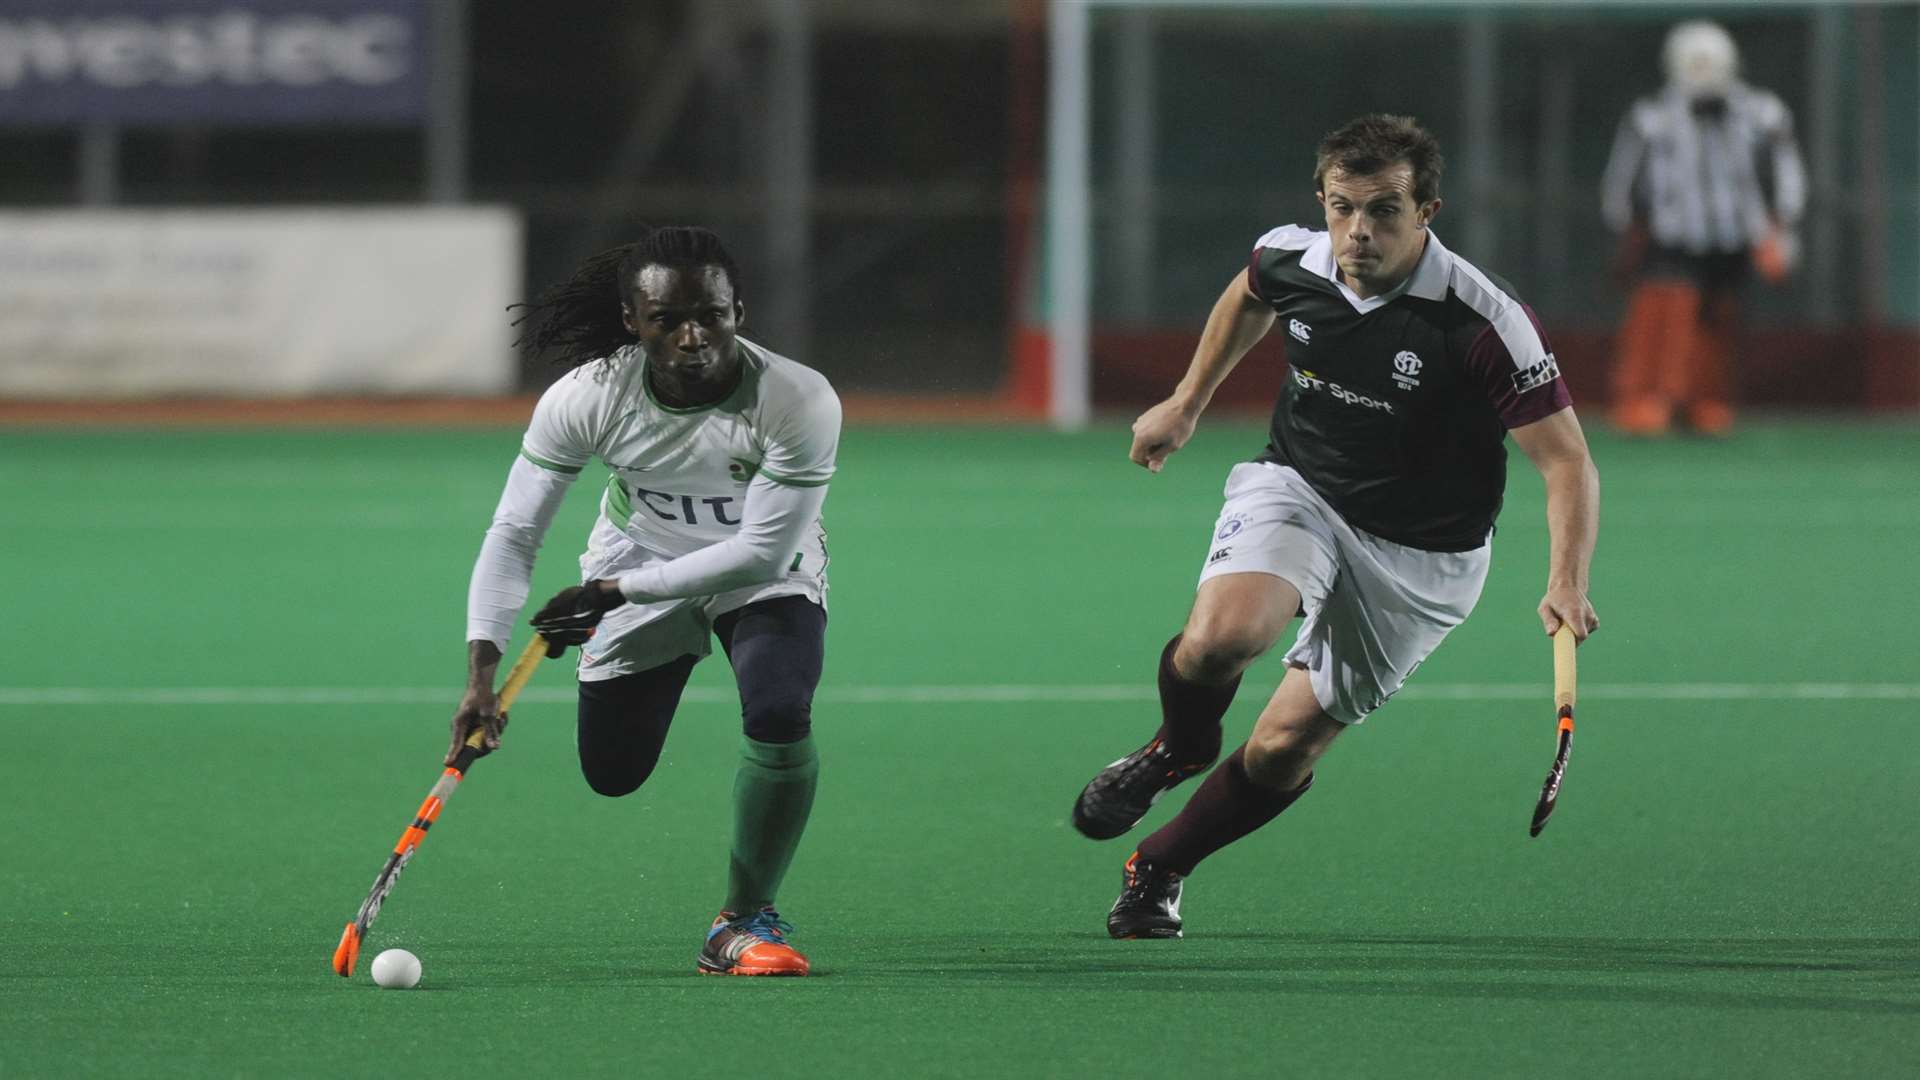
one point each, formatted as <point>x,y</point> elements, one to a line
<point>1149,903</point>
<point>1116,799</point>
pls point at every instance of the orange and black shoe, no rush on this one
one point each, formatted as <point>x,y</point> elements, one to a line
<point>752,944</point>
<point>1121,794</point>
<point>1149,903</point>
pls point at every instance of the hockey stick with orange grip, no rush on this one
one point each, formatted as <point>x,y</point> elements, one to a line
<point>1563,694</point>
<point>347,953</point>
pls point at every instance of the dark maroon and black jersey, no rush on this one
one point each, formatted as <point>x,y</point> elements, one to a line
<point>1397,407</point>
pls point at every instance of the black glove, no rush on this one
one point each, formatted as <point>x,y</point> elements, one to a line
<point>571,616</point>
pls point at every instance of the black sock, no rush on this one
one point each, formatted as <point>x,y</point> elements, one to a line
<point>1227,806</point>
<point>1190,712</point>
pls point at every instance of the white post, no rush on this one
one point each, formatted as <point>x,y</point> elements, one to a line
<point>1069,258</point>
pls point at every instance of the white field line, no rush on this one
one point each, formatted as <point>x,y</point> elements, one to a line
<point>41,696</point>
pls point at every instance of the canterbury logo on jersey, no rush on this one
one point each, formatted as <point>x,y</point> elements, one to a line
<point>1307,380</point>
<point>1301,331</point>
<point>664,506</point>
<point>1540,373</point>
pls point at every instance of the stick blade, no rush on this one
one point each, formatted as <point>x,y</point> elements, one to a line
<point>1550,791</point>
<point>1541,813</point>
<point>347,953</point>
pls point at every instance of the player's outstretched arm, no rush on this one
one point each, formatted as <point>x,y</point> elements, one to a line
<point>1558,448</point>
<point>1238,321</point>
<point>502,575</point>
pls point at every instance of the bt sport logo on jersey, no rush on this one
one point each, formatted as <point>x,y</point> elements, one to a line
<point>1309,382</point>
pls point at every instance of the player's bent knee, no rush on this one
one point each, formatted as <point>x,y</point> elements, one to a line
<point>1210,654</point>
<point>1276,765</point>
<point>615,782</point>
<point>1281,757</point>
<point>784,719</point>
<point>613,787</point>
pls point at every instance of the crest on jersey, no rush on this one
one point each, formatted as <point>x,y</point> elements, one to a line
<point>1406,369</point>
<point>1301,331</point>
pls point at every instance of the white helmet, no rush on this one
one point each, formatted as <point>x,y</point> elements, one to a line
<point>1700,57</point>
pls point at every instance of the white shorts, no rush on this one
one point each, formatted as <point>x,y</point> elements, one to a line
<point>635,637</point>
<point>1374,609</point>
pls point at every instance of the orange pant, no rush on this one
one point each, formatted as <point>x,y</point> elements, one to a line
<point>1674,350</point>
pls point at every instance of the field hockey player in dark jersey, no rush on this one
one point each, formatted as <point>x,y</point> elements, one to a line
<point>1368,515</point>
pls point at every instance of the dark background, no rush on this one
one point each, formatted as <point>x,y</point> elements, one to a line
<point>927,152</point>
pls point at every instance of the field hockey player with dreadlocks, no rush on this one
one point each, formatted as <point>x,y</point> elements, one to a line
<point>718,453</point>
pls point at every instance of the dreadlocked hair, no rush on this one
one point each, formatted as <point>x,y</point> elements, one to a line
<point>580,320</point>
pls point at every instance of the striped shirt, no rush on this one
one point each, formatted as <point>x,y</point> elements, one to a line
<point>1706,175</point>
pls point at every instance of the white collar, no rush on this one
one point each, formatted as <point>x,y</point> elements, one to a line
<point>1428,281</point>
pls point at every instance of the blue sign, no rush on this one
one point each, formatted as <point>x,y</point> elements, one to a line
<point>213,62</point>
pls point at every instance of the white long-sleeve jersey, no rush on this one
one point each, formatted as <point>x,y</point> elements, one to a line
<point>721,497</point>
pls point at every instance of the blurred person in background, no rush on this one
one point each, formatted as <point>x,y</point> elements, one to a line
<point>1705,185</point>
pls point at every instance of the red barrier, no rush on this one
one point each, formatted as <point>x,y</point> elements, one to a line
<point>1773,368</point>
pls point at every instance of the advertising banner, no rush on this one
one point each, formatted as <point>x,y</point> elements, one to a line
<point>257,303</point>
<point>133,62</point>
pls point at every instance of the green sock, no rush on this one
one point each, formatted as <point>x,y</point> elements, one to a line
<point>772,795</point>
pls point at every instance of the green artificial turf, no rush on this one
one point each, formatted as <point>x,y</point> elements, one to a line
<point>1728,888</point>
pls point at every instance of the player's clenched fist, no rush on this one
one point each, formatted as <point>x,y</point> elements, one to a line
<point>1567,605</point>
<point>570,617</point>
<point>1160,431</point>
<point>479,708</point>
